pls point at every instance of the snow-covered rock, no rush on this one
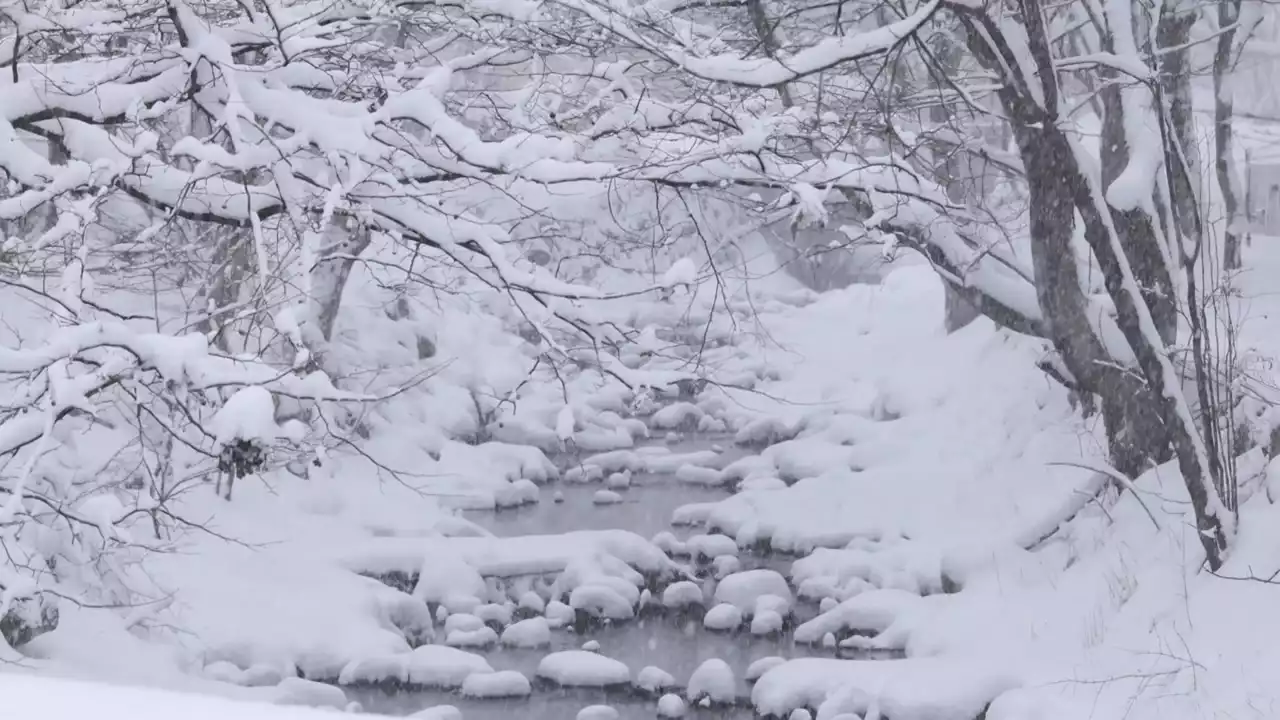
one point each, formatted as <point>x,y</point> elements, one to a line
<point>579,668</point>
<point>297,691</point>
<point>438,712</point>
<point>671,706</point>
<point>606,497</point>
<point>654,679</point>
<point>695,475</point>
<point>501,684</point>
<point>558,614</point>
<point>667,542</point>
<point>494,613</point>
<point>725,565</point>
<point>765,622</point>
<point>712,546</point>
<point>465,622</point>
<point>745,588</point>
<point>682,594</point>
<point>762,666</point>
<point>375,670</point>
<point>532,602</point>
<point>531,633</point>
<point>598,712</point>
<point>773,604</point>
<point>713,681</point>
<point>722,617</point>
<point>442,666</point>
<point>602,601</point>
<point>484,636</point>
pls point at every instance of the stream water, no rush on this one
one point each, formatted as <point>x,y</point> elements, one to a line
<point>677,643</point>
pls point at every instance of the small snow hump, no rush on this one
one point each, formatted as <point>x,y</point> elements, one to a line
<point>598,712</point>
<point>671,706</point>
<point>713,681</point>
<point>580,668</point>
<point>438,712</point>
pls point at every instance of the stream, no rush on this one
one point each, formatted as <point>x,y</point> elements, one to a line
<point>676,642</point>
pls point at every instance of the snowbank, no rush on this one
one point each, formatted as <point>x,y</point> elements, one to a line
<point>31,696</point>
<point>925,689</point>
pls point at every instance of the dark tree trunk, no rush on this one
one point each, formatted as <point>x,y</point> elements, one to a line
<point>1174,31</point>
<point>1058,188</point>
<point>1223,135</point>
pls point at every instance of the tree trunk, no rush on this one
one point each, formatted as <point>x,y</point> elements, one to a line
<point>1223,136</point>
<point>1057,183</point>
<point>1174,31</point>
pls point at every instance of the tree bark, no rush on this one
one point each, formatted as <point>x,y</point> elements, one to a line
<point>1223,135</point>
<point>1059,188</point>
<point>1174,31</point>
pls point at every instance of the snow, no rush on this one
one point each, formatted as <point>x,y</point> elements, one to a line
<point>606,497</point>
<point>28,695</point>
<point>682,272</point>
<point>465,622</point>
<point>725,565</point>
<point>249,414</point>
<point>579,668</point>
<point>766,621</point>
<point>440,666</point>
<point>898,455</point>
<point>770,72</point>
<point>597,712</point>
<point>671,706</point>
<point>682,594</point>
<point>478,638</point>
<point>653,679</point>
<point>722,617</point>
<point>745,589</point>
<point>603,601</point>
<point>759,667</point>
<point>712,680</point>
<point>914,689</point>
<point>500,684</point>
<point>438,712</point>
<point>530,633</point>
<point>711,546</point>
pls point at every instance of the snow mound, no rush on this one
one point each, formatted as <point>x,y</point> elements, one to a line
<point>597,712</point>
<point>759,667</point>
<point>913,689</point>
<point>712,681</point>
<point>500,684</point>
<point>682,594</point>
<point>481,637</point>
<point>579,668</point>
<point>438,712</point>
<point>745,589</point>
<point>766,622</point>
<point>722,617</point>
<point>297,691</point>
<point>443,667</point>
<point>531,633</point>
<point>711,546</point>
<point>671,706</point>
<point>874,611</point>
<point>653,679</point>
